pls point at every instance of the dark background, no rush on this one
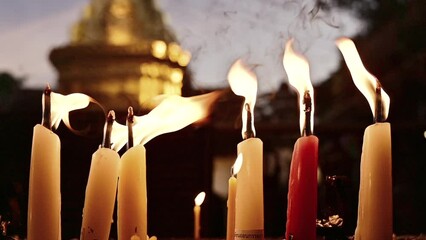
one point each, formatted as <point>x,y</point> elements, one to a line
<point>393,49</point>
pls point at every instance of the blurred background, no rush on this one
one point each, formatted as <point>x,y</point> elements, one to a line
<point>125,52</point>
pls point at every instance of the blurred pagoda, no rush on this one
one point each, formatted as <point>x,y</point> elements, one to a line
<point>121,53</point>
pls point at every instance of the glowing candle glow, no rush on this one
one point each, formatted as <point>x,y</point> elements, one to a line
<point>249,222</point>
<point>44,197</point>
<point>302,189</point>
<point>232,190</point>
<point>375,190</point>
<point>199,199</point>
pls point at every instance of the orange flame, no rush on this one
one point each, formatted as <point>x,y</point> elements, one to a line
<point>297,69</point>
<point>243,83</point>
<point>199,199</point>
<point>62,105</point>
<point>237,164</point>
<point>172,114</point>
<point>364,81</point>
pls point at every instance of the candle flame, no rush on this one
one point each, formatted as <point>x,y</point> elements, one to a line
<point>243,83</point>
<point>172,114</point>
<point>62,105</point>
<point>297,69</point>
<point>364,81</point>
<point>199,199</point>
<point>238,164</point>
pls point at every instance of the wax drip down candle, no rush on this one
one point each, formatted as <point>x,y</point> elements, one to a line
<point>302,189</point>
<point>375,189</point>
<point>249,221</point>
<point>101,189</point>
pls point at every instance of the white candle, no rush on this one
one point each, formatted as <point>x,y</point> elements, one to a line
<point>197,212</point>
<point>249,201</point>
<point>44,197</point>
<point>375,190</point>
<point>232,192</point>
<point>100,191</point>
<point>249,220</point>
<point>132,198</point>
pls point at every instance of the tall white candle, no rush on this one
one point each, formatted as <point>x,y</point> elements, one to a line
<point>249,222</point>
<point>132,198</point>
<point>101,190</point>
<point>44,197</point>
<point>375,190</point>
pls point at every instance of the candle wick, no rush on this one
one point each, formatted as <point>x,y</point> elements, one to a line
<point>249,132</point>
<point>108,129</point>
<point>378,115</point>
<point>307,101</point>
<point>129,123</point>
<point>46,121</point>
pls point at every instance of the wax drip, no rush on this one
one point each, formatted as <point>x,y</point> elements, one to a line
<point>307,101</point>
<point>129,123</point>
<point>249,132</point>
<point>108,129</point>
<point>47,121</point>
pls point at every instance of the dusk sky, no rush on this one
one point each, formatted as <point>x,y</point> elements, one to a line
<point>215,32</point>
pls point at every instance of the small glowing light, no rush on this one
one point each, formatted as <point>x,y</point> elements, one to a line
<point>199,199</point>
<point>174,52</point>
<point>424,134</point>
<point>184,58</point>
<point>159,49</point>
<point>176,75</point>
<point>238,164</point>
<point>364,81</point>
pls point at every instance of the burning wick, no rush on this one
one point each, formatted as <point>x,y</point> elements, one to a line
<point>108,128</point>
<point>249,132</point>
<point>378,116</point>
<point>46,121</point>
<point>129,123</point>
<point>307,101</point>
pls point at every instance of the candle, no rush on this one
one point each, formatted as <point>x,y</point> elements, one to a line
<point>132,198</point>
<point>375,189</point>
<point>302,189</point>
<point>249,220</point>
<point>199,199</point>
<point>232,191</point>
<point>101,189</point>
<point>44,197</point>
<point>172,114</point>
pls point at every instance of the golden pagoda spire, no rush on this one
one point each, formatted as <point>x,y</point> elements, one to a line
<point>121,49</point>
<point>121,22</point>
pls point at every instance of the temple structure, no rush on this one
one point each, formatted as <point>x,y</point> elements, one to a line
<point>122,53</point>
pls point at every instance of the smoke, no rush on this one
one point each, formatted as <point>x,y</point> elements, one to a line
<point>218,32</point>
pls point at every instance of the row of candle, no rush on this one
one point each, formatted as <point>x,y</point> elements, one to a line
<point>245,201</point>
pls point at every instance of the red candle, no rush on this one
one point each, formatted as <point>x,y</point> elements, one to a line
<point>302,189</point>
